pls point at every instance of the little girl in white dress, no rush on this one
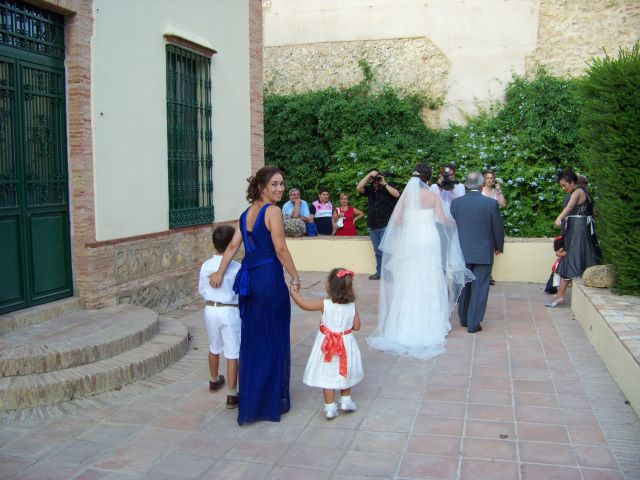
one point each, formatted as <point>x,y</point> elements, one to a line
<point>335,361</point>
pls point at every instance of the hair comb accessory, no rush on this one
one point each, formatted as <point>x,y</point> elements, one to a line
<point>415,173</point>
<point>342,272</point>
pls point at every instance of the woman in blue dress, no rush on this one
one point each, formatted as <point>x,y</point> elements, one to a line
<point>265,310</point>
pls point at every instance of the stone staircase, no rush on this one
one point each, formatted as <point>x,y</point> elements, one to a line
<point>48,359</point>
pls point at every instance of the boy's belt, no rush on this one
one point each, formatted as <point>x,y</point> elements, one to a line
<point>220,304</point>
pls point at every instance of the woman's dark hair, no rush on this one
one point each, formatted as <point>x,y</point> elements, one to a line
<point>340,289</point>
<point>321,190</point>
<point>424,172</point>
<point>567,175</point>
<point>258,181</point>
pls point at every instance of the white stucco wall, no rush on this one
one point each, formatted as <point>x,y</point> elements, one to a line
<point>486,41</point>
<point>129,108</point>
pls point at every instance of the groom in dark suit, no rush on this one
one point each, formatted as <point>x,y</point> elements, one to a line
<point>481,235</point>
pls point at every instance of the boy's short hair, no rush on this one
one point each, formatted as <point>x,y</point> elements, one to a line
<point>221,237</point>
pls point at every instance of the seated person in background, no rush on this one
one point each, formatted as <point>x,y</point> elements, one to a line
<point>295,215</point>
<point>322,213</point>
<point>296,207</point>
<point>447,187</point>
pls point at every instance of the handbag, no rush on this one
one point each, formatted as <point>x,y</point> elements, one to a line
<point>340,221</point>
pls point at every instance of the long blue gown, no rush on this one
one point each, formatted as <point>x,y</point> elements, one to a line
<point>265,310</point>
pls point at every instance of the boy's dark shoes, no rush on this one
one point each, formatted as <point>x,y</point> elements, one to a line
<point>232,401</point>
<point>217,385</point>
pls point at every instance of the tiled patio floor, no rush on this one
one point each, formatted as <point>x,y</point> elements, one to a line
<point>527,398</point>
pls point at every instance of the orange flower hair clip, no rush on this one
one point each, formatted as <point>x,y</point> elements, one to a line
<point>342,272</point>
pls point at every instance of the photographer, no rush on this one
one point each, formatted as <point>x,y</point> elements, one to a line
<point>448,187</point>
<point>382,198</point>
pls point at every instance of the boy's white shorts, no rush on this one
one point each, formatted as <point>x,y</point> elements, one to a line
<point>223,329</point>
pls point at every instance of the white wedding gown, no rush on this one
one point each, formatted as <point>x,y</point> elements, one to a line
<point>423,272</point>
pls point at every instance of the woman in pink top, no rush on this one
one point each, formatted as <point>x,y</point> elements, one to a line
<point>492,189</point>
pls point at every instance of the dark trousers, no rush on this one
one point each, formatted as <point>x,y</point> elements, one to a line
<point>473,299</point>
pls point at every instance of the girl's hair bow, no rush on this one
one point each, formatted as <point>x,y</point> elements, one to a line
<point>342,272</point>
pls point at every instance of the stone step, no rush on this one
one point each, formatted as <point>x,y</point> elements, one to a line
<point>75,339</point>
<point>168,346</point>
<point>10,322</point>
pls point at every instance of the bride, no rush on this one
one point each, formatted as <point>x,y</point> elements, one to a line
<point>423,272</point>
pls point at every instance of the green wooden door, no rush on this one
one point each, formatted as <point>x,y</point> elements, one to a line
<point>35,262</point>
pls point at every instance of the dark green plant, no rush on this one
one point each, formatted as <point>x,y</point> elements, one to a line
<point>611,131</point>
<point>333,137</point>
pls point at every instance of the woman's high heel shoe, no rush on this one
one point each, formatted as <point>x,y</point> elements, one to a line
<point>556,303</point>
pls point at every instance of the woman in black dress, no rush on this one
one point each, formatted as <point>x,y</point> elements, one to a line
<point>577,227</point>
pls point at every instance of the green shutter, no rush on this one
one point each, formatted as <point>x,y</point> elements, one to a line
<point>189,137</point>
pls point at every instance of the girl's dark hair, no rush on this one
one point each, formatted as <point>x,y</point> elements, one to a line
<point>424,172</point>
<point>258,181</point>
<point>567,175</point>
<point>487,172</point>
<point>321,190</point>
<point>340,289</point>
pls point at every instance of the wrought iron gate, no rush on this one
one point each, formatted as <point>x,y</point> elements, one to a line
<point>35,263</point>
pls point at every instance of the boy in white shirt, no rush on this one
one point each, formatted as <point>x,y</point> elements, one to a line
<point>222,316</point>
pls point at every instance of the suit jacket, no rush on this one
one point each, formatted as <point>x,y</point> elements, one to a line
<point>480,227</point>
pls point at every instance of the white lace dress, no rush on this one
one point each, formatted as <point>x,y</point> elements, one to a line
<point>318,373</point>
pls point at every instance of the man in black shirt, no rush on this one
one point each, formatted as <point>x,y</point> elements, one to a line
<point>382,199</point>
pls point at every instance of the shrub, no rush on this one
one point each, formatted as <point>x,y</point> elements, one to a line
<point>610,126</point>
<point>333,137</point>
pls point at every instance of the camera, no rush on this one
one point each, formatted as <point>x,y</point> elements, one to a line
<point>446,183</point>
<point>378,177</point>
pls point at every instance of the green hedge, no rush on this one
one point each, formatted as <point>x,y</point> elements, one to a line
<point>333,137</point>
<point>611,131</point>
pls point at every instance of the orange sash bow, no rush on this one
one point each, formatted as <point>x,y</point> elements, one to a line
<point>333,344</point>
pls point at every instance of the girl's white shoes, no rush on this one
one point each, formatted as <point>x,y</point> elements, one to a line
<point>330,410</point>
<point>347,404</point>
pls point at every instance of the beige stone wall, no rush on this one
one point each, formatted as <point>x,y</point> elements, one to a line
<point>571,32</point>
<point>442,48</point>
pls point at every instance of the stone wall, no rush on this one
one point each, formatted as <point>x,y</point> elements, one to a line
<point>572,32</point>
<point>447,52</point>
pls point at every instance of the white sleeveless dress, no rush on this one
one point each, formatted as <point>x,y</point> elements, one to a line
<point>318,373</point>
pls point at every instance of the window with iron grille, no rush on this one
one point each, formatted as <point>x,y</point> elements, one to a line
<point>189,137</point>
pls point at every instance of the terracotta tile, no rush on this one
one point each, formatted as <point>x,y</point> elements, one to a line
<point>49,470</point>
<point>483,470</point>
<point>549,453</point>
<point>179,421</point>
<point>287,473</point>
<point>587,435</point>
<point>379,423</point>
<point>547,472</point>
<point>129,460</point>
<point>539,415</point>
<point>452,381</point>
<point>583,418</point>
<point>489,449</point>
<point>589,474</point>
<point>326,436</point>
<point>574,400</point>
<point>172,466</point>
<point>491,383</point>
<point>424,466</point>
<point>540,374</point>
<point>316,458</point>
<point>490,397</point>
<point>541,432</point>
<point>199,444</point>
<point>385,442</point>
<point>442,409</point>
<point>236,470</point>
<point>595,457</point>
<point>368,463</point>
<point>257,452</point>
<point>490,412</point>
<point>527,399</point>
<point>533,386</point>
<point>438,426</point>
<point>446,394</point>
<point>488,429</point>
<point>492,372</point>
<point>158,439</point>
<point>434,445</point>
